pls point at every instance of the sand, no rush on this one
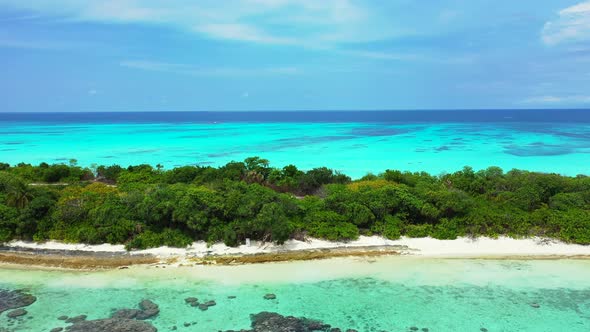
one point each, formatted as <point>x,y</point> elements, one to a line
<point>463,247</point>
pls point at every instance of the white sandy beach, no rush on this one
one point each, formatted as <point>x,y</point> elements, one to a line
<point>422,247</point>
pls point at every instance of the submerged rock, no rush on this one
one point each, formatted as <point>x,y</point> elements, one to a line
<point>191,300</point>
<point>273,322</point>
<point>112,325</point>
<point>64,317</point>
<point>270,296</point>
<point>148,310</point>
<point>57,329</point>
<point>77,319</point>
<point>123,320</point>
<point>126,313</point>
<point>16,313</point>
<point>210,303</point>
<point>14,299</point>
<point>148,305</point>
<point>147,314</point>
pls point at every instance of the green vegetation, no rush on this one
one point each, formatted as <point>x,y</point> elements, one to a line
<point>142,206</point>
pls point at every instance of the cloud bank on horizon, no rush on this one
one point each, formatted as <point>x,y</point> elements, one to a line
<point>293,54</point>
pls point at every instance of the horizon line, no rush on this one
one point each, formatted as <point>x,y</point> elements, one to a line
<point>302,110</point>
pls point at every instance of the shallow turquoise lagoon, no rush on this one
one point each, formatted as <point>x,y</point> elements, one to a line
<point>352,148</point>
<point>387,294</point>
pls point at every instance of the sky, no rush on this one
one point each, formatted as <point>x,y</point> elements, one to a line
<point>210,55</point>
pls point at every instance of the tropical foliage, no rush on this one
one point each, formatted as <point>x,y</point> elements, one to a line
<point>142,206</point>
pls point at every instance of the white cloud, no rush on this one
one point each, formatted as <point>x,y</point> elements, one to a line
<point>383,55</point>
<point>301,22</point>
<point>187,69</point>
<point>327,25</point>
<point>153,65</point>
<point>549,99</point>
<point>400,56</point>
<point>573,24</point>
<point>241,32</point>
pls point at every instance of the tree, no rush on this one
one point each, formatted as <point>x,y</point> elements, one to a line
<point>110,173</point>
<point>315,178</point>
<point>19,194</point>
<point>273,223</point>
<point>185,174</point>
<point>198,208</point>
<point>55,173</point>
<point>392,227</point>
<point>256,164</point>
<point>8,217</point>
<point>149,207</point>
<point>285,179</point>
<point>257,169</point>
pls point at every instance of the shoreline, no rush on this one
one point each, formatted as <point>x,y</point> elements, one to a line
<point>105,256</point>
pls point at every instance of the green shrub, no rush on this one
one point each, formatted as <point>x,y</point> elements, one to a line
<point>418,230</point>
<point>446,230</point>
<point>55,173</point>
<point>167,237</point>
<point>152,207</point>
<point>337,231</point>
<point>565,201</point>
<point>392,227</point>
<point>8,223</point>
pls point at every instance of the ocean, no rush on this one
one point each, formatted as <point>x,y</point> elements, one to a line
<point>384,294</point>
<point>352,142</point>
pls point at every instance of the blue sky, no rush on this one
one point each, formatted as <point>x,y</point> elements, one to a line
<point>157,55</point>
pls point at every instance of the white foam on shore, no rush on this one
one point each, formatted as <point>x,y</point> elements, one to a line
<point>427,247</point>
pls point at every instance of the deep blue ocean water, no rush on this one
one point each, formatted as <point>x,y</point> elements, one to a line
<point>354,142</point>
<point>383,116</point>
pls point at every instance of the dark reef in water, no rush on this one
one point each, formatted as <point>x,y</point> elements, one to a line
<point>378,131</point>
<point>540,149</point>
<point>273,322</point>
<point>14,299</point>
<point>123,320</point>
<point>112,325</point>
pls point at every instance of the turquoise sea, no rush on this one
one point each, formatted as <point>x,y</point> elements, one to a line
<point>351,142</point>
<point>386,294</point>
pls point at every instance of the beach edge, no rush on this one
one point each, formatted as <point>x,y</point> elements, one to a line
<point>92,257</point>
